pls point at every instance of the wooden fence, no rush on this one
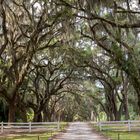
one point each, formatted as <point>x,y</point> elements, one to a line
<point>29,127</point>
<point>129,125</point>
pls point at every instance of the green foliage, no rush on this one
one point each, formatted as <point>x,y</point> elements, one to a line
<point>56,47</point>
<point>30,115</point>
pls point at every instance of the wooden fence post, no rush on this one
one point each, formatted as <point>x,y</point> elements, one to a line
<point>30,127</point>
<point>129,125</point>
<point>100,126</point>
<point>2,128</point>
<point>58,125</point>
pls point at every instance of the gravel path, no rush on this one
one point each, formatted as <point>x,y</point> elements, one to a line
<point>79,131</point>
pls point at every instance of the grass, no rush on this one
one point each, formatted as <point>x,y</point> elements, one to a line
<point>63,125</point>
<point>43,136</point>
<point>119,135</point>
<point>114,135</point>
<point>35,136</point>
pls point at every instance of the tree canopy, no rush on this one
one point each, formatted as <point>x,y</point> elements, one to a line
<point>69,60</point>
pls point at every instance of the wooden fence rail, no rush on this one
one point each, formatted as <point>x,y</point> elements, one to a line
<point>29,127</point>
<point>129,125</point>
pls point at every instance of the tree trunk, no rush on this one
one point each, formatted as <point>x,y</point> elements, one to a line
<point>139,103</point>
<point>47,117</point>
<point>135,81</point>
<point>37,117</point>
<point>44,116</point>
<point>111,116</point>
<point>127,117</point>
<point>11,113</point>
<point>23,115</point>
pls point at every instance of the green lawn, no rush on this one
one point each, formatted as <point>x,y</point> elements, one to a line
<point>119,135</point>
<point>114,135</point>
<point>43,136</point>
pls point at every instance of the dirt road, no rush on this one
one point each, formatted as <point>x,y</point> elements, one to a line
<point>79,131</point>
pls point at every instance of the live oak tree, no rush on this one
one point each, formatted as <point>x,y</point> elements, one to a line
<point>50,76</point>
<point>114,27</point>
<point>89,41</point>
<point>112,84</point>
<point>118,37</point>
<point>27,27</point>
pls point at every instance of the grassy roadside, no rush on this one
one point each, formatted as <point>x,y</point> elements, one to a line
<point>35,136</point>
<point>119,135</point>
<point>116,135</point>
